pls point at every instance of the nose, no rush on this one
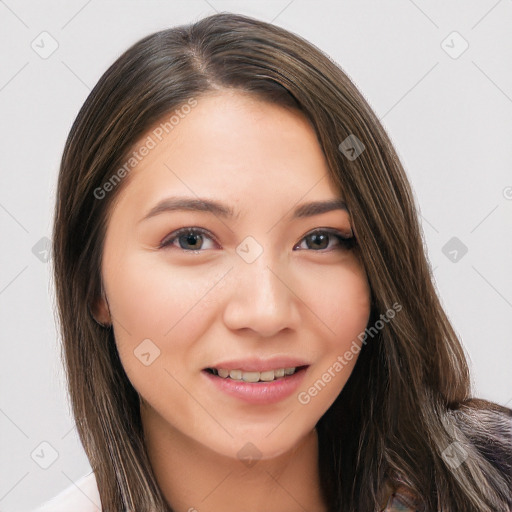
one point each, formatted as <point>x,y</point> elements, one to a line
<point>263,297</point>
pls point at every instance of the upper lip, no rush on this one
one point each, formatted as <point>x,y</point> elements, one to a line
<point>260,365</point>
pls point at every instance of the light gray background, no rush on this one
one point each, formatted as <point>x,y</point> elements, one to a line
<point>449,118</point>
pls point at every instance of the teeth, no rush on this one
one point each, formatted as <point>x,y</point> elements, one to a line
<point>235,374</point>
<point>249,376</point>
<point>266,376</point>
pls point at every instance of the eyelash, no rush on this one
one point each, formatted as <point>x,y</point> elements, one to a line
<point>344,242</point>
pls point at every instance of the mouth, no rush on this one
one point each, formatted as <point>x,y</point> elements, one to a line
<point>261,388</point>
<point>255,377</point>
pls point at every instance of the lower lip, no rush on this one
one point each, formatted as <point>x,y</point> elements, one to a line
<point>258,392</point>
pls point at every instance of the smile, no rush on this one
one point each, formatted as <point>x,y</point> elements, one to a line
<point>265,376</point>
<point>267,387</point>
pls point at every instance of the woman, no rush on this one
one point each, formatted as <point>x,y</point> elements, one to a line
<point>248,315</point>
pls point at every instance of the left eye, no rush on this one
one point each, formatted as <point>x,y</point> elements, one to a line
<point>323,237</point>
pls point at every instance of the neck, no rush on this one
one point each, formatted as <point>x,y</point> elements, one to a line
<point>194,478</point>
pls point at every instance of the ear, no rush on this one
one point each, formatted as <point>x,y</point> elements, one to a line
<point>100,309</point>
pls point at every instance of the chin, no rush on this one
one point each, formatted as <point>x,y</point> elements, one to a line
<point>259,445</point>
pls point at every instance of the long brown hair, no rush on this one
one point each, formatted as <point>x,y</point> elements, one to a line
<point>409,396</point>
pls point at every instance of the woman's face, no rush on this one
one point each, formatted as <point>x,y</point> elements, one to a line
<point>255,289</point>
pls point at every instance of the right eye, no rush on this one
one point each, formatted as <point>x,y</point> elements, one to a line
<point>190,239</point>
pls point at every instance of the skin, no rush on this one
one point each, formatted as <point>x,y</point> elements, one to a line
<point>201,308</point>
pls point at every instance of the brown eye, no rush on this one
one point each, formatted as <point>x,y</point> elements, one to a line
<point>192,240</point>
<point>320,240</point>
<point>188,239</point>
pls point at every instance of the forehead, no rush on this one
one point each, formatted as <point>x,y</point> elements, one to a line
<point>231,145</point>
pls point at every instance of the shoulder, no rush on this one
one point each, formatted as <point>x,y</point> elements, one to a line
<point>82,496</point>
<point>396,496</point>
<point>489,428</point>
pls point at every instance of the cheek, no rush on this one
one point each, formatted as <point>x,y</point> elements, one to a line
<point>161,304</point>
<point>353,307</point>
<point>342,302</point>
<point>345,309</point>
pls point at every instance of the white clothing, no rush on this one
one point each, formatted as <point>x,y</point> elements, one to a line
<point>82,496</point>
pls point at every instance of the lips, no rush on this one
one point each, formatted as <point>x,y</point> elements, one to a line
<point>257,393</point>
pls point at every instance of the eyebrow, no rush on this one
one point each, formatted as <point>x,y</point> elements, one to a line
<point>172,204</point>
